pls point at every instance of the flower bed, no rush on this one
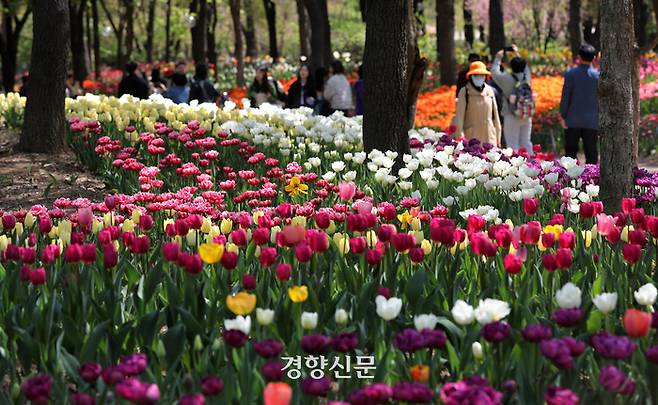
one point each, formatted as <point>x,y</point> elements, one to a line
<point>260,254</point>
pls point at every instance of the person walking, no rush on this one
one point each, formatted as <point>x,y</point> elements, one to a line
<point>132,83</point>
<point>477,110</point>
<point>201,89</point>
<point>462,81</point>
<point>337,90</point>
<point>579,106</point>
<point>302,92</point>
<point>518,100</point>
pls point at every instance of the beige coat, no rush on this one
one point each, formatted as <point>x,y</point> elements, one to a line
<point>480,119</point>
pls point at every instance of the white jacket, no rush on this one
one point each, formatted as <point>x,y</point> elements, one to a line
<point>338,93</point>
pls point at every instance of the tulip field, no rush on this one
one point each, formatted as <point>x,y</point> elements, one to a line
<point>252,256</point>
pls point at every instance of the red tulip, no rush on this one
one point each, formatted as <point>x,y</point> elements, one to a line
<point>548,240</point>
<point>632,253</point>
<point>38,276</point>
<point>530,206</point>
<point>260,236</point>
<point>358,244</point>
<point>385,232</point>
<point>530,233</point>
<point>586,210</point>
<point>267,256</point>
<point>229,260</point>
<point>627,204</point>
<point>564,258</point>
<point>303,252</point>
<point>512,264</point>
<point>549,262</point>
<point>277,393</point>
<point>567,240</point>
<point>442,231</point>
<point>417,255</point>
<point>283,271</point>
<point>636,322</point>
<point>475,223</point>
<point>373,257</point>
<point>637,237</point>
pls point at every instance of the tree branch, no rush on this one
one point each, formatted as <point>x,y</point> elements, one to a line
<point>109,18</point>
<point>20,22</point>
<point>639,51</point>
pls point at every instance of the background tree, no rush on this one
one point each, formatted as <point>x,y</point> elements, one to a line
<point>199,9</point>
<point>239,46</point>
<point>150,30</point>
<point>496,26</point>
<point>249,30</point>
<point>575,33</point>
<point>467,15</point>
<point>96,37</point>
<point>78,49</point>
<point>167,52</point>
<point>445,31</point>
<point>616,102</point>
<point>393,72</point>
<point>45,123</point>
<point>270,15</point>
<point>318,16</point>
<point>13,22</point>
<point>211,33</point>
<point>304,30</point>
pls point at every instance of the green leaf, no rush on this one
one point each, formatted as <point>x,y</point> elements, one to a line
<point>594,321</point>
<point>451,327</point>
<point>69,362</point>
<point>148,327</point>
<point>91,345</point>
<point>174,342</point>
<point>415,286</point>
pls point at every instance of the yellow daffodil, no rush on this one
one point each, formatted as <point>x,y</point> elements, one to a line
<point>241,303</point>
<point>211,253</point>
<point>296,187</point>
<point>298,293</point>
<point>405,219</point>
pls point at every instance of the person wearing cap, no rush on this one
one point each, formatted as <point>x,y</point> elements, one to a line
<point>579,107</point>
<point>517,131</point>
<point>477,110</point>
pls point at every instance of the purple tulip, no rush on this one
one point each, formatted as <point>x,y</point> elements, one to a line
<point>37,389</point>
<point>345,342</point>
<point>414,393</point>
<point>211,385</point>
<point>560,396</point>
<point>112,375</point>
<point>434,338</point>
<point>495,332</point>
<point>133,364</point>
<point>80,398</point>
<point>557,352</point>
<point>315,344</point>
<point>654,320</point>
<point>510,387</point>
<point>138,392</point>
<point>568,316</point>
<point>235,338</point>
<point>576,347</point>
<point>628,387</point>
<point>371,394</point>
<point>409,340</point>
<point>611,378</point>
<point>272,371</point>
<point>471,390</point>
<point>536,333</point>
<point>192,399</point>
<point>316,387</point>
<point>268,348</point>
<point>90,372</point>
<point>652,354</point>
<point>611,346</point>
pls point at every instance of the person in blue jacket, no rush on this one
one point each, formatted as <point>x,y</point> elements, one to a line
<point>579,107</point>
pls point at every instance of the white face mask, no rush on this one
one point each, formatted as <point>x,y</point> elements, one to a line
<point>478,80</point>
<point>519,76</point>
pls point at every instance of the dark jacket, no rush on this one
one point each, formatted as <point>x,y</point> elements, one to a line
<point>580,104</point>
<point>462,81</point>
<point>301,95</point>
<point>203,91</point>
<point>134,85</point>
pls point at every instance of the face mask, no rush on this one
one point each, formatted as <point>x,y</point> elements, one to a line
<point>478,81</point>
<point>519,76</point>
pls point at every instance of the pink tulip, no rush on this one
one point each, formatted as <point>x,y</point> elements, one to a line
<point>277,393</point>
<point>605,224</point>
<point>346,190</point>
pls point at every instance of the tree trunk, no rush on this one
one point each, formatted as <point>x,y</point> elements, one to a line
<point>616,102</point>
<point>326,32</point>
<point>130,27</point>
<point>419,13</point>
<point>483,35</point>
<point>88,40</point>
<point>575,33</point>
<point>270,15</point>
<point>97,39</point>
<point>239,47</point>
<point>150,24</point>
<point>641,15</point>
<point>250,30</point>
<point>496,26</point>
<point>304,30</point>
<point>76,18</point>
<point>198,31</point>
<point>45,123</point>
<point>445,22</point>
<point>11,32</point>
<point>167,52</point>
<point>212,26</point>
<point>393,73</point>
<point>321,55</point>
<point>469,34</point>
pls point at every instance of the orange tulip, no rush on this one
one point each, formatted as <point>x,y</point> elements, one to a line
<point>277,393</point>
<point>636,322</point>
<point>420,373</point>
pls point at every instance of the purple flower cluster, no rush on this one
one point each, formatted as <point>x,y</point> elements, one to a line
<point>235,338</point>
<point>613,380</point>
<point>315,344</point>
<point>37,389</point>
<point>411,340</point>
<point>611,346</point>
<point>536,333</point>
<point>561,351</point>
<point>345,342</point>
<point>268,348</point>
<point>472,390</point>
<point>560,396</point>
<point>495,332</point>
<point>413,393</point>
<point>317,387</point>
<point>371,394</point>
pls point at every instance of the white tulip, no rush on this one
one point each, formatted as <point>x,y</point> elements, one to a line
<point>462,313</point>
<point>241,323</point>
<point>264,316</point>
<point>476,348</point>
<point>646,295</point>
<point>309,320</point>
<point>605,302</point>
<point>425,321</point>
<point>491,310</point>
<point>341,316</point>
<point>569,296</point>
<point>388,309</point>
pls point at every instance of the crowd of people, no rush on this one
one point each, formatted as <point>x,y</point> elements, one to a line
<point>495,103</point>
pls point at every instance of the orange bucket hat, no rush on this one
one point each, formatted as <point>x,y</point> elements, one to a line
<point>477,68</point>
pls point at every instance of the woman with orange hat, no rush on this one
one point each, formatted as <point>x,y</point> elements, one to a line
<point>477,110</point>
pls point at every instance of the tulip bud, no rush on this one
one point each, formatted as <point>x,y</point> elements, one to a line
<point>341,316</point>
<point>198,344</point>
<point>160,350</point>
<point>477,351</point>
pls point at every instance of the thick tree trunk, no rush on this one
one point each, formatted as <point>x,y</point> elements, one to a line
<point>89,40</point>
<point>304,30</point>
<point>212,26</point>
<point>239,47</point>
<point>250,30</point>
<point>321,55</point>
<point>393,73</point>
<point>76,18</point>
<point>469,34</point>
<point>270,15</point>
<point>97,38</point>
<point>198,31</point>
<point>167,52</point>
<point>575,33</point>
<point>496,26</point>
<point>616,102</point>
<point>150,24</point>
<point>9,57</point>
<point>130,27</point>
<point>641,15</point>
<point>44,128</point>
<point>445,21</point>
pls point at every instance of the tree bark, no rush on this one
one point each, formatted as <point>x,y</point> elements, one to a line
<point>641,16</point>
<point>304,30</point>
<point>393,72</point>
<point>239,47</point>
<point>616,102</point>
<point>150,24</point>
<point>469,34</point>
<point>270,15</point>
<point>130,27</point>
<point>45,123</point>
<point>167,52</point>
<point>212,26</point>
<point>76,18</point>
<point>97,39</point>
<point>445,22</point>
<point>573,26</point>
<point>250,30</point>
<point>198,31</point>
<point>496,26</point>
<point>12,26</point>
<point>318,15</point>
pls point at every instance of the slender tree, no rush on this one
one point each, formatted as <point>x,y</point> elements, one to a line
<point>616,102</point>
<point>270,16</point>
<point>44,127</point>
<point>150,30</point>
<point>76,18</point>
<point>318,15</point>
<point>445,22</point>
<point>304,29</point>
<point>496,26</point>
<point>393,73</point>
<point>129,15</point>
<point>469,34</point>
<point>249,30</point>
<point>118,29</point>
<point>573,26</point>
<point>239,46</point>
<point>96,37</point>
<point>167,52</point>
<point>13,23</point>
<point>212,27</point>
<point>641,15</point>
<point>199,9</point>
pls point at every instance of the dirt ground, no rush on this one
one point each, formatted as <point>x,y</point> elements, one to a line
<point>28,179</point>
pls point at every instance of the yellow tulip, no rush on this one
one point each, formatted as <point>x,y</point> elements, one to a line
<point>241,303</point>
<point>206,225</point>
<point>226,226</point>
<point>232,247</point>
<point>29,220</point>
<point>298,294</point>
<point>426,246</point>
<point>415,224</point>
<point>211,253</point>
